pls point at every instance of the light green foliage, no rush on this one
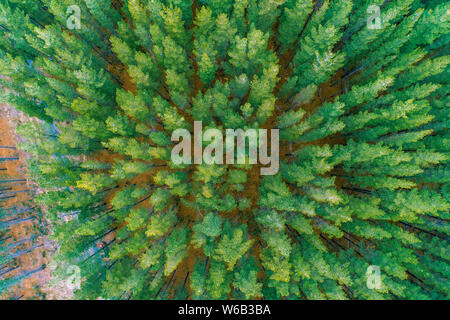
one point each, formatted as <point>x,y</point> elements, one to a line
<point>232,246</point>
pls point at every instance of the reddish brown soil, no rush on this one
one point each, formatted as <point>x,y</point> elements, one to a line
<point>29,288</point>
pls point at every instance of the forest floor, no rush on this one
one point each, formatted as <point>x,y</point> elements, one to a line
<point>38,286</point>
<point>28,289</point>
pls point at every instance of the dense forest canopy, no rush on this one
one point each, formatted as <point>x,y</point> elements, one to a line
<point>362,112</point>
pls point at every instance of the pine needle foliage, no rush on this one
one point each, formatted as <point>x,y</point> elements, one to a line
<point>364,171</point>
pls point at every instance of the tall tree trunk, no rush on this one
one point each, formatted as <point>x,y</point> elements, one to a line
<point>10,223</point>
<point>9,159</point>
<point>22,252</point>
<point>13,245</point>
<point>7,181</point>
